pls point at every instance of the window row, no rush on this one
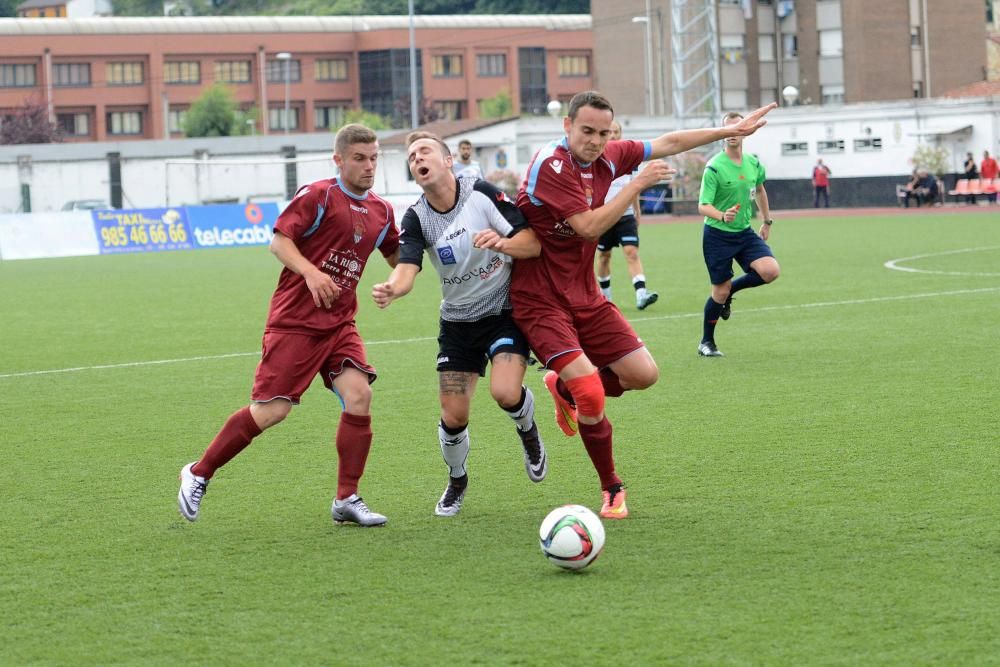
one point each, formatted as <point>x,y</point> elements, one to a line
<point>866,145</point>
<point>177,72</point>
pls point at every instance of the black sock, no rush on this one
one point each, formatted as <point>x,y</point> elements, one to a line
<point>453,431</point>
<point>639,284</point>
<point>605,283</point>
<point>712,312</point>
<point>746,281</point>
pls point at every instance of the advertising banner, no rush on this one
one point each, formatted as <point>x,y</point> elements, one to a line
<point>141,230</point>
<point>228,225</point>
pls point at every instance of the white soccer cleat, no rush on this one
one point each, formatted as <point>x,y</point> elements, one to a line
<point>191,492</point>
<point>353,509</point>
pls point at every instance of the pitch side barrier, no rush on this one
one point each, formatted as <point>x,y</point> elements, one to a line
<point>115,231</point>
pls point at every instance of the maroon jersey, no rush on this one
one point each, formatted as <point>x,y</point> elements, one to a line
<point>336,231</point>
<point>557,187</point>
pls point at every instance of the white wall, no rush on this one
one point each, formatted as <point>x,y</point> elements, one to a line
<point>146,182</point>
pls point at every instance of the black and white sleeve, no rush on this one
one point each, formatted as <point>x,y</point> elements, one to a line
<point>507,209</point>
<point>411,239</point>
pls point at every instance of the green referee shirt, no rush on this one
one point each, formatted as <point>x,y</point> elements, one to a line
<point>726,184</point>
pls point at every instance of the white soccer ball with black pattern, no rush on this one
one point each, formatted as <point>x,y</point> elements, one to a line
<point>571,537</point>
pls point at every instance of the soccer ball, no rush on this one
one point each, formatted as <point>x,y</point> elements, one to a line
<point>571,537</point>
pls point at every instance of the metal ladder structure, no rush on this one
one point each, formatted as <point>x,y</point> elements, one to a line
<point>694,38</point>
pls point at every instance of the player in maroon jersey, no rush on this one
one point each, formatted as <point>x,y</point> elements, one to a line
<point>324,238</point>
<point>590,348</point>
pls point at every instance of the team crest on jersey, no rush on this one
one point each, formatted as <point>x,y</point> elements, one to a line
<point>447,255</point>
<point>589,192</point>
<point>556,166</point>
<point>359,231</point>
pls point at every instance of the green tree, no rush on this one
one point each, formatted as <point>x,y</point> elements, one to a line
<point>214,114</point>
<point>8,7</point>
<point>932,158</point>
<point>498,106</point>
<point>372,121</point>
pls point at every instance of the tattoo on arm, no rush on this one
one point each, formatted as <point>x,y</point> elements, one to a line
<point>454,382</point>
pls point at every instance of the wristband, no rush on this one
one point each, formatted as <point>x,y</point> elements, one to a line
<point>768,222</point>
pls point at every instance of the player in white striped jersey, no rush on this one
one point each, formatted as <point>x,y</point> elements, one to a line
<point>471,232</point>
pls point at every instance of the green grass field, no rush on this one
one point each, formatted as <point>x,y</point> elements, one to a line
<point>827,493</point>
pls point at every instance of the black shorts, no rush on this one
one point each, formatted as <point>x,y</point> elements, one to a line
<point>625,232</point>
<point>467,346</point>
<point>721,248</point>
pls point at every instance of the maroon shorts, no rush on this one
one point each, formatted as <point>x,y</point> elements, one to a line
<point>289,361</point>
<point>598,329</point>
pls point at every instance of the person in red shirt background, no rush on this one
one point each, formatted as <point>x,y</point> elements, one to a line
<point>987,171</point>
<point>821,184</point>
<point>324,238</point>
<point>582,337</point>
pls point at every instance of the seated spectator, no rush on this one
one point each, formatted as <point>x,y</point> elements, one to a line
<point>909,190</point>
<point>927,188</point>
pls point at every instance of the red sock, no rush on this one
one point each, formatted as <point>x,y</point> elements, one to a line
<point>612,383</point>
<point>237,433</point>
<point>597,439</point>
<point>354,439</point>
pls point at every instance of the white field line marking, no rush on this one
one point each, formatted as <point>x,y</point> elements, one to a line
<point>894,264</point>
<point>763,309</point>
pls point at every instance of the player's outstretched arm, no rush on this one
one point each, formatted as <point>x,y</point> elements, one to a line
<point>398,285</point>
<point>521,245</point>
<point>324,291</point>
<point>679,141</point>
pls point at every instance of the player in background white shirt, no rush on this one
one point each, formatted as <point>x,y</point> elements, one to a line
<point>626,234</point>
<point>470,231</point>
<point>465,165</point>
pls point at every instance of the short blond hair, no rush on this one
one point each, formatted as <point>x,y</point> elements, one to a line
<point>353,133</point>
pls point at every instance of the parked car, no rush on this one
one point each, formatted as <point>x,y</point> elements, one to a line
<point>85,205</point>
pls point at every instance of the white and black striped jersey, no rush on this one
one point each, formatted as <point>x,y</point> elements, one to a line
<point>475,283</point>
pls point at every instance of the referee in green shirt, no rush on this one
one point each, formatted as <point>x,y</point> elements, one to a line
<point>731,179</point>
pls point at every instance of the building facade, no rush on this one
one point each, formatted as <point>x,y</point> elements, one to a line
<point>831,51</point>
<point>134,78</point>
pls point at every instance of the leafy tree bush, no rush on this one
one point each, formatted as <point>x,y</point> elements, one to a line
<point>932,158</point>
<point>372,121</point>
<point>498,106</point>
<point>29,124</point>
<point>215,114</point>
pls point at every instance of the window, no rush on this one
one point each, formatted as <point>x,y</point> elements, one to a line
<point>74,124</point>
<point>830,146</point>
<point>276,70</point>
<point>734,99</point>
<point>831,43</point>
<point>491,64</point>
<point>17,76</point>
<point>331,69</point>
<point>573,66</point>
<point>731,48</point>
<point>765,48</point>
<point>125,122</point>
<point>868,145</point>
<point>795,148</point>
<point>447,66</point>
<point>183,72</point>
<point>790,46</point>
<point>329,116</point>
<point>124,74</point>
<point>450,110</point>
<point>832,94</point>
<point>276,115</point>
<point>175,120</point>
<point>71,74</point>
<point>232,71</point>
<point>915,38</point>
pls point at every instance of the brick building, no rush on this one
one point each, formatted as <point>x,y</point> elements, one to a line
<point>134,78</point>
<point>833,51</point>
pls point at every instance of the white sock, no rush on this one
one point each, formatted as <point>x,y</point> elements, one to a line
<point>525,416</point>
<point>454,449</point>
